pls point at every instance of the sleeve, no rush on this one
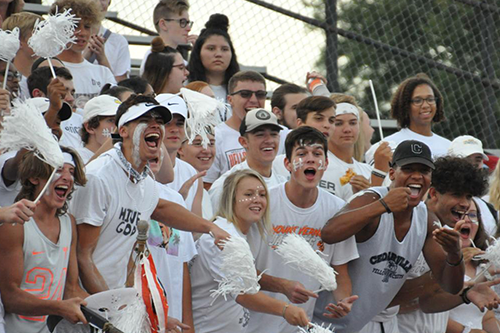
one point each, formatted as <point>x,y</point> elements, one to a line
<point>188,250</point>
<point>91,202</point>
<point>109,77</point>
<point>216,192</point>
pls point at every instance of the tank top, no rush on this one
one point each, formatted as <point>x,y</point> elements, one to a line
<point>44,275</point>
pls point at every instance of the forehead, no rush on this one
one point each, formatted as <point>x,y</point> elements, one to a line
<point>422,90</point>
<point>249,85</point>
<point>294,98</point>
<point>311,146</point>
<point>346,117</point>
<point>249,183</point>
<point>414,167</point>
<point>216,39</point>
<point>330,112</point>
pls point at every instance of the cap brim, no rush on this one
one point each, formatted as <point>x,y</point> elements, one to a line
<point>65,112</point>
<point>274,126</point>
<point>415,160</point>
<point>135,112</point>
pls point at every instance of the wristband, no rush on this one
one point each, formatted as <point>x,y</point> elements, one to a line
<point>463,295</point>
<point>379,173</point>
<point>387,209</point>
<point>457,264</point>
<point>284,310</point>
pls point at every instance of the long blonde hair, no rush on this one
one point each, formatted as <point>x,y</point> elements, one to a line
<point>228,199</point>
<point>495,188</point>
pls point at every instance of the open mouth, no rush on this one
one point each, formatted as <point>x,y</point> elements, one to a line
<point>152,140</point>
<point>457,214</point>
<point>61,190</point>
<point>415,190</point>
<point>465,231</point>
<point>310,173</point>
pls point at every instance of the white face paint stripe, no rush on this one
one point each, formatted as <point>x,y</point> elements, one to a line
<point>136,140</point>
<point>298,164</point>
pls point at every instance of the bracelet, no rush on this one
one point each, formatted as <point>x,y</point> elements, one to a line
<point>387,209</point>
<point>284,309</point>
<point>457,264</point>
<point>379,173</point>
<point>464,297</point>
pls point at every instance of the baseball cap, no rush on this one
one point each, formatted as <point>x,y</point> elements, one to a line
<point>466,145</point>
<point>174,103</point>
<point>412,151</point>
<point>103,105</point>
<point>135,111</point>
<point>256,118</point>
<point>346,108</point>
<point>43,103</point>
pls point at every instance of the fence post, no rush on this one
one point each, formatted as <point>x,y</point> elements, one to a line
<point>331,54</point>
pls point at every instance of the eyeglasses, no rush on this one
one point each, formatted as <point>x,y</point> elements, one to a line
<point>473,217</point>
<point>419,101</point>
<point>11,75</point>
<point>260,94</point>
<point>182,67</point>
<point>182,22</point>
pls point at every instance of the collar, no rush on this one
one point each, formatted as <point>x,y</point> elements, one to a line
<point>134,175</point>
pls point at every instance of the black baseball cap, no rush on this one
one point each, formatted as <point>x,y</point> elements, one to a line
<point>412,151</point>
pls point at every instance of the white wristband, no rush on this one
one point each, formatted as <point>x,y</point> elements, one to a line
<point>379,171</point>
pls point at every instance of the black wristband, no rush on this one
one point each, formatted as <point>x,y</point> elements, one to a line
<point>464,297</point>
<point>387,209</point>
<point>457,264</point>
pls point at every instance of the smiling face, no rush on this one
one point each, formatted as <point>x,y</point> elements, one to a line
<point>415,176</point>
<point>215,54</point>
<point>261,144</point>
<point>199,157</point>
<point>450,207</point>
<point>307,164</point>
<point>345,131</point>
<point>422,115</point>
<point>174,133</point>
<point>320,120</point>
<point>241,105</point>
<point>61,186</point>
<point>249,202</point>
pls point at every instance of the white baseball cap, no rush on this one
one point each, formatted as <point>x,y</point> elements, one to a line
<point>43,104</point>
<point>174,103</point>
<point>256,118</point>
<point>466,145</point>
<point>103,105</point>
<point>135,111</point>
<point>346,108</point>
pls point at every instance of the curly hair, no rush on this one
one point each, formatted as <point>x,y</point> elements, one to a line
<point>217,25</point>
<point>87,10</point>
<point>458,176</point>
<point>401,100</point>
<point>32,167</point>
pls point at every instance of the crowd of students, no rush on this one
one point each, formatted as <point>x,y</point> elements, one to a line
<point>403,222</point>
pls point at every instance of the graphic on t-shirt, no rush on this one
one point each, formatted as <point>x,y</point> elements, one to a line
<point>235,156</point>
<point>243,321</point>
<point>129,219</point>
<point>328,186</point>
<point>73,129</point>
<point>393,261</point>
<point>311,235</point>
<point>174,242</point>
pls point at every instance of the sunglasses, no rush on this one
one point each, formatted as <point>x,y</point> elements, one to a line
<point>260,94</point>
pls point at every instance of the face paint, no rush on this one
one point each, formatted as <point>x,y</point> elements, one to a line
<point>321,165</point>
<point>298,164</point>
<point>107,132</point>
<point>56,177</point>
<point>136,140</point>
<point>257,189</point>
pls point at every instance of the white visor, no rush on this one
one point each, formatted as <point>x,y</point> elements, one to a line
<point>138,110</point>
<point>346,108</point>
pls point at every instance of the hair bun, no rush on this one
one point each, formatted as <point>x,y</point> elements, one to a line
<point>217,21</point>
<point>157,45</point>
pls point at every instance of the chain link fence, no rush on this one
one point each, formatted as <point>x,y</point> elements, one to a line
<point>455,42</point>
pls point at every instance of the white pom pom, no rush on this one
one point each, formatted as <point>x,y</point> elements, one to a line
<point>492,254</point>
<point>26,128</point>
<point>315,328</point>
<point>238,267</point>
<point>203,112</point>
<point>10,44</point>
<point>54,34</point>
<point>297,252</point>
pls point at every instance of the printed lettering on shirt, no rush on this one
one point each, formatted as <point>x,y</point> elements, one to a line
<point>73,129</point>
<point>392,262</point>
<point>235,156</point>
<point>128,224</point>
<point>311,235</point>
<point>328,186</point>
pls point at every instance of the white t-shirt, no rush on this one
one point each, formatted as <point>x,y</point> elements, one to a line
<point>8,193</point>
<point>489,223</point>
<point>283,134</point>
<point>85,153</point>
<point>437,144</point>
<point>111,201</point>
<point>228,152</point>
<point>468,314</point>
<point>182,172</point>
<point>117,52</point>
<point>169,262</point>
<point>220,93</point>
<point>216,189</point>
<point>88,80</point>
<point>338,168</point>
<point>24,92</point>
<point>209,314</point>
<point>71,132</point>
<point>287,218</point>
<point>418,321</point>
<point>206,206</point>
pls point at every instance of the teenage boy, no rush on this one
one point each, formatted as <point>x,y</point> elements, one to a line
<point>300,207</point>
<point>284,103</point>
<point>392,226</point>
<point>120,192</point>
<point>175,134</point>
<point>98,124</point>
<point>171,20</point>
<point>246,91</point>
<point>88,78</point>
<point>259,136</point>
